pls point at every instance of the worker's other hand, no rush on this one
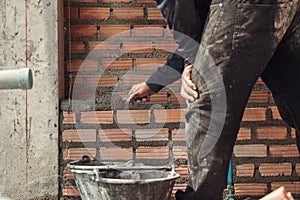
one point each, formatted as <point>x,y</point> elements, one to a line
<point>139,93</point>
<point>188,87</point>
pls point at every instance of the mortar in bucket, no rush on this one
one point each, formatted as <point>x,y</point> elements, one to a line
<point>122,180</point>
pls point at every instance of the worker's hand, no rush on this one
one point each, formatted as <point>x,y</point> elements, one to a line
<point>188,87</point>
<point>140,90</point>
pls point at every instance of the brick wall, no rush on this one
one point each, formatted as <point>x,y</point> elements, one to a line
<point>113,44</point>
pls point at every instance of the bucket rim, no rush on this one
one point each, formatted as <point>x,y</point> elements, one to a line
<point>171,175</point>
<point>74,165</point>
<point>144,181</point>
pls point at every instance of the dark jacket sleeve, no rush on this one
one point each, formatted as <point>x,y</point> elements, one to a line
<point>186,24</point>
<point>167,74</point>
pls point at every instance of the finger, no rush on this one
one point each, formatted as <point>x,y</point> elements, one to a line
<point>187,71</point>
<point>186,88</point>
<point>187,76</point>
<point>186,96</point>
<point>189,82</point>
<point>188,68</point>
<point>133,93</point>
<point>144,100</point>
<point>131,97</point>
<point>189,90</point>
<point>141,99</point>
<point>134,88</point>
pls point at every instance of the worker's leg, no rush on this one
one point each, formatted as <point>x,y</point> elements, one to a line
<point>282,76</point>
<point>239,40</point>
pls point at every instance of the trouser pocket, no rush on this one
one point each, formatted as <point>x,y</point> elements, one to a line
<point>213,20</point>
<point>259,27</point>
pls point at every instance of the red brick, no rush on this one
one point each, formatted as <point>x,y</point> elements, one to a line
<point>149,63</point>
<point>128,13</point>
<point>119,30</point>
<point>182,170</point>
<point>160,98</point>
<point>148,31</point>
<point>146,1</point>
<point>116,1</point>
<point>152,152</point>
<point>76,82</point>
<point>152,134</point>
<point>180,152</point>
<point>275,113</point>
<point>71,12</point>
<point>271,98</point>
<point>79,135</point>
<point>259,97</point>
<point>251,150</point>
<point>82,65</point>
<point>165,46</point>
<point>114,135</point>
<point>117,63</point>
<point>133,116</point>
<point>298,169</point>
<point>104,47</point>
<point>275,169</point>
<point>76,47</point>
<point>284,151</point>
<point>94,13</point>
<point>70,191</point>
<point>292,187</point>
<point>250,189</point>
<point>69,118</point>
<point>245,170</point>
<point>178,135</point>
<point>84,1</point>
<point>176,98</point>
<point>83,31</point>
<point>77,153</point>
<point>254,114</point>
<point>154,14</point>
<point>129,80</point>
<point>259,82</point>
<point>244,134</point>
<point>271,133</point>
<point>116,153</point>
<point>97,117</point>
<point>169,116</point>
<point>68,175</point>
<point>102,81</point>
<point>168,32</point>
<point>177,186</point>
<point>137,47</point>
<point>293,133</point>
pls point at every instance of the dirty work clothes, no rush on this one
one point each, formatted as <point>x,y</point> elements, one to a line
<point>242,40</point>
<point>186,19</point>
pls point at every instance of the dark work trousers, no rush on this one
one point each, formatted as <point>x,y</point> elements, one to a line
<point>242,41</point>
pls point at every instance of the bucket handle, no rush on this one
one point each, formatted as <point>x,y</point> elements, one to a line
<point>96,175</point>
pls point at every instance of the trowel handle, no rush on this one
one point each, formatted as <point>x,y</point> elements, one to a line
<point>16,79</point>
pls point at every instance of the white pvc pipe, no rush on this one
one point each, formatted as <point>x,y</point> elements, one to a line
<point>16,79</point>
